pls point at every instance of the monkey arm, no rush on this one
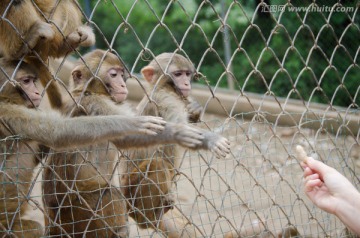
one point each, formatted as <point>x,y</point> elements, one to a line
<point>57,132</point>
<point>99,105</point>
<point>181,134</point>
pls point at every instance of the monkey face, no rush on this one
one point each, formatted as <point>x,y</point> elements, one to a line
<point>179,71</point>
<point>115,83</point>
<point>29,90</point>
<point>182,79</point>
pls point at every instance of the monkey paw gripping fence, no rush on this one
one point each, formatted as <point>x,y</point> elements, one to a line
<point>270,75</point>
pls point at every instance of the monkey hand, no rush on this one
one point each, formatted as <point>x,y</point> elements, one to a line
<point>217,144</point>
<point>149,125</point>
<point>83,36</point>
<point>45,32</point>
<point>40,31</point>
<point>194,111</point>
<point>188,136</point>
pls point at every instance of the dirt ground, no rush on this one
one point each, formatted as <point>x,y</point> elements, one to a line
<point>257,190</point>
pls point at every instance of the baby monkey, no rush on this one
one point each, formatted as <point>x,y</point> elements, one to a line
<point>149,183</point>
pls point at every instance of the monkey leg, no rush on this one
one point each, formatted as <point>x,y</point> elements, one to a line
<point>23,228</point>
<point>12,225</point>
<point>108,211</point>
<point>147,188</point>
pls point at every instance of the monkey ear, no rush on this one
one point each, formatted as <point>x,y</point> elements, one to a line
<point>77,75</point>
<point>148,73</point>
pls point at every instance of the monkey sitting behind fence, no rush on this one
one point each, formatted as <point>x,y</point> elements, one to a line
<point>148,185</point>
<point>98,88</point>
<point>26,131</point>
<point>51,28</point>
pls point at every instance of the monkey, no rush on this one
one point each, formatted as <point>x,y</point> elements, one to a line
<point>148,185</point>
<point>22,29</point>
<point>26,133</point>
<point>51,28</point>
<point>66,19</point>
<point>98,88</point>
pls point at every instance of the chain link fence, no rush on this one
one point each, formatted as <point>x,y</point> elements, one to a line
<point>272,75</point>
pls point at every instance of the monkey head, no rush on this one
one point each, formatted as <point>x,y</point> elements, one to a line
<point>179,69</point>
<point>102,73</point>
<point>22,91</point>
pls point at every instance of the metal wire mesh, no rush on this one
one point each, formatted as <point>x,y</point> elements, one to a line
<point>272,75</point>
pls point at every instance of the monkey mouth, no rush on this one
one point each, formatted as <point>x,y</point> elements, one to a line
<point>119,97</point>
<point>121,93</point>
<point>36,101</point>
<point>185,92</point>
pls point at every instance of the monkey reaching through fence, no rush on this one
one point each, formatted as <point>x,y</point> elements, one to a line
<point>148,185</point>
<point>49,27</point>
<point>90,173</point>
<point>25,131</point>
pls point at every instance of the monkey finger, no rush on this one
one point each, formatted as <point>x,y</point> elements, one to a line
<point>155,127</point>
<point>196,135</point>
<point>219,153</point>
<point>224,147</point>
<point>158,120</point>
<point>148,132</point>
<point>191,143</point>
<point>198,132</point>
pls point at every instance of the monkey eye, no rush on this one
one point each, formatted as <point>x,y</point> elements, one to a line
<point>188,73</point>
<point>113,73</point>
<point>27,80</point>
<point>177,74</point>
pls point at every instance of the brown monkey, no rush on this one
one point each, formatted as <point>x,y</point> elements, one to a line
<point>26,130</point>
<point>22,29</point>
<point>66,19</point>
<point>25,26</point>
<point>99,88</point>
<point>149,184</point>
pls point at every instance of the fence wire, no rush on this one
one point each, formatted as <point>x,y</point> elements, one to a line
<point>271,75</point>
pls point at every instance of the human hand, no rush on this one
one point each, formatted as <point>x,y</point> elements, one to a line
<point>325,186</point>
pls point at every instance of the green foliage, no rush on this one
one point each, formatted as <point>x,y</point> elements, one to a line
<point>311,55</point>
